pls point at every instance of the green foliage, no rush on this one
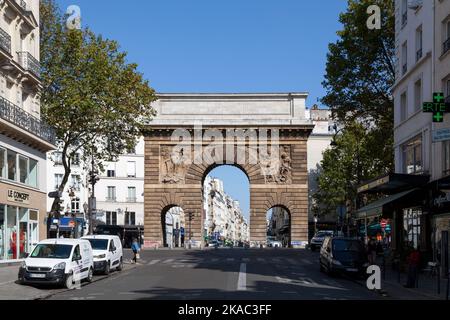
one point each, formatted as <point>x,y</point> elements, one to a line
<point>97,102</point>
<point>359,77</point>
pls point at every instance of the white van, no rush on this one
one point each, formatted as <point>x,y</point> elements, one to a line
<point>58,261</point>
<point>108,253</point>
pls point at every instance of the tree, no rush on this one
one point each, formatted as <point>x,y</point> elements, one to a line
<point>360,74</point>
<point>96,101</point>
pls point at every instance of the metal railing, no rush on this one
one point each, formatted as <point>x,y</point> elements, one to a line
<point>22,4</point>
<point>418,54</point>
<point>30,63</point>
<point>111,199</point>
<point>5,41</point>
<point>404,18</point>
<point>19,117</point>
<point>132,200</point>
<point>446,46</point>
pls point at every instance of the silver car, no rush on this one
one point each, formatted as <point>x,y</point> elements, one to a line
<point>317,240</point>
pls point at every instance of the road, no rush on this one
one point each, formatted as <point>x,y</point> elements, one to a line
<point>235,274</point>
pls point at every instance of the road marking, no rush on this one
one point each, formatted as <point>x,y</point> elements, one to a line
<point>12,281</point>
<point>261,260</point>
<point>168,261</point>
<point>153,262</point>
<point>214,260</point>
<point>127,293</point>
<point>283,280</point>
<point>242,281</point>
<point>307,262</point>
<point>230,259</point>
<point>246,260</point>
<point>292,261</point>
<point>276,260</point>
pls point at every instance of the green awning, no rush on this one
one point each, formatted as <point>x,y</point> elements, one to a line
<point>376,208</point>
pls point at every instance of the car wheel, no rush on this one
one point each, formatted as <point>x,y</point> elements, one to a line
<point>120,267</point>
<point>90,275</point>
<point>107,268</point>
<point>69,282</point>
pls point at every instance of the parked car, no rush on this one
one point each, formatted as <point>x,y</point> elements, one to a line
<point>108,253</point>
<point>58,261</point>
<point>343,255</point>
<point>317,241</point>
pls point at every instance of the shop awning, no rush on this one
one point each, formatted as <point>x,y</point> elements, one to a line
<point>393,183</point>
<point>376,207</point>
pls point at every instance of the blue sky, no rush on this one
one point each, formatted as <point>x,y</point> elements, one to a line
<point>221,46</point>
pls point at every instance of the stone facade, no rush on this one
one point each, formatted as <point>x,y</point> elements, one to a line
<point>170,181</point>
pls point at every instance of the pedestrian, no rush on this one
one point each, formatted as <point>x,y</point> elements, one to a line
<point>413,261</point>
<point>372,251</point>
<point>136,248</point>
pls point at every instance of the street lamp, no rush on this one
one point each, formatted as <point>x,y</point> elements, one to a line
<point>191,217</point>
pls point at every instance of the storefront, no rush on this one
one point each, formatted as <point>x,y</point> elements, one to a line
<point>20,225</point>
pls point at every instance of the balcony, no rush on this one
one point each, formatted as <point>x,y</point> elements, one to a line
<point>5,41</point>
<point>446,46</point>
<point>132,199</point>
<point>404,18</point>
<point>418,54</point>
<point>30,63</point>
<point>22,4</point>
<point>111,199</point>
<point>19,117</point>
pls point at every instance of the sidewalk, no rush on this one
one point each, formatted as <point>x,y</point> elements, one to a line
<point>393,284</point>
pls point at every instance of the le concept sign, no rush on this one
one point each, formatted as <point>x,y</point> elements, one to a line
<point>18,197</point>
<point>438,107</point>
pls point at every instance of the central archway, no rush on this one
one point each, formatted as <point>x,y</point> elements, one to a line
<point>170,182</point>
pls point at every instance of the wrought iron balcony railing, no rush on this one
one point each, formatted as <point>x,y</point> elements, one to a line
<point>111,199</point>
<point>19,117</point>
<point>30,63</point>
<point>5,41</point>
<point>446,46</point>
<point>418,54</point>
<point>132,199</point>
<point>22,4</point>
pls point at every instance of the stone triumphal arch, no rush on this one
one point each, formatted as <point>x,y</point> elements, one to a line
<point>265,135</point>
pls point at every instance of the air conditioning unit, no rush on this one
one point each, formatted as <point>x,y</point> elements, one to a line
<point>414,4</point>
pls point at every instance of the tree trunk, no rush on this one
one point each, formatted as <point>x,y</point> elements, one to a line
<point>67,172</point>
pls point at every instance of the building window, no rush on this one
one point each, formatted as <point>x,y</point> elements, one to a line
<point>446,45</point>
<point>418,95</point>
<point>76,160</point>
<point>58,180</point>
<point>111,171</point>
<point>131,194</point>
<point>446,157</point>
<point>131,169</point>
<point>75,205</point>
<point>130,218</point>
<point>404,58</point>
<point>419,43</point>
<point>412,227</point>
<point>2,163</point>
<point>23,169</point>
<point>12,165</point>
<point>57,156</point>
<point>447,90</point>
<point>111,194</point>
<point>75,182</point>
<point>404,12</point>
<point>412,156</point>
<point>403,106</point>
<point>33,173</point>
<point>111,218</point>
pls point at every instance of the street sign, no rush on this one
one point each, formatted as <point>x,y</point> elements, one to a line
<point>55,195</point>
<point>441,135</point>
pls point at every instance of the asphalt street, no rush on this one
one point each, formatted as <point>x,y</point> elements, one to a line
<point>222,274</point>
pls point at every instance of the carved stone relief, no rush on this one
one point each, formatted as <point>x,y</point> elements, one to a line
<point>173,165</point>
<point>277,169</point>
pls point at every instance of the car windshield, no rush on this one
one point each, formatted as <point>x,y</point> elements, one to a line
<point>99,244</point>
<point>322,234</point>
<point>347,245</point>
<point>52,251</point>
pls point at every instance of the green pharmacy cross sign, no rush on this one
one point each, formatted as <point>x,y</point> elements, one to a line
<point>438,107</point>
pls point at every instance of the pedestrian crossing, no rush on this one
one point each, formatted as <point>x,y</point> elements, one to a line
<point>279,261</point>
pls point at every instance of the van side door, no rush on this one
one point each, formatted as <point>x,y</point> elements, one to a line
<point>113,252</point>
<point>77,263</point>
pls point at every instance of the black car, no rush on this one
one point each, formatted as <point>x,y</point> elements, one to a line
<point>343,255</point>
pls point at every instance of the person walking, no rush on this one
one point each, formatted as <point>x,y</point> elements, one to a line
<point>136,248</point>
<point>413,268</point>
<point>372,251</point>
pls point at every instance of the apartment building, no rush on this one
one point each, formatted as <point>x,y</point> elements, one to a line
<point>24,137</point>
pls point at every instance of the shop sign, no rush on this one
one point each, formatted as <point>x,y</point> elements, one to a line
<point>438,107</point>
<point>18,197</point>
<point>441,200</point>
<point>441,135</point>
